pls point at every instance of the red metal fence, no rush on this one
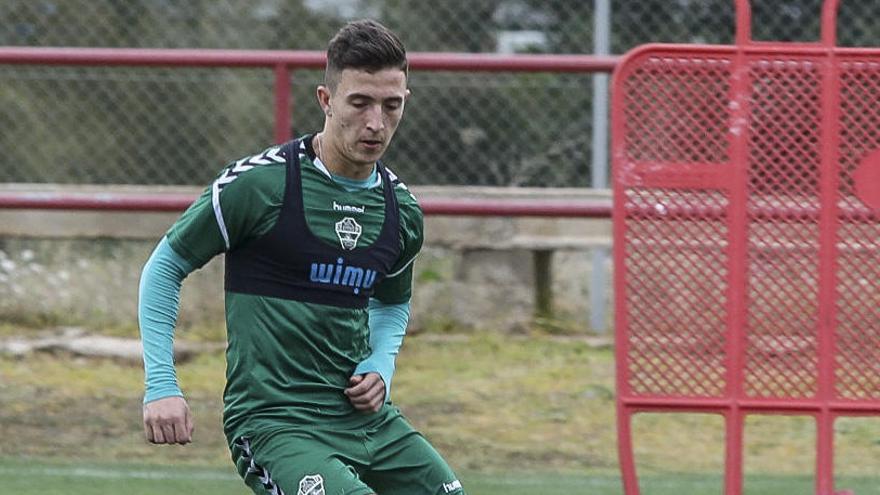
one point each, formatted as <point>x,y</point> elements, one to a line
<point>747,236</point>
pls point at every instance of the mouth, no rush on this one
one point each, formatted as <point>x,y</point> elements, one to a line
<point>372,143</point>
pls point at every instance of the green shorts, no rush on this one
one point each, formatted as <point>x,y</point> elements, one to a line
<point>388,457</point>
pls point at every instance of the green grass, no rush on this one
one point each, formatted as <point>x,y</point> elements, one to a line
<point>525,414</point>
<point>35,478</point>
<point>29,477</point>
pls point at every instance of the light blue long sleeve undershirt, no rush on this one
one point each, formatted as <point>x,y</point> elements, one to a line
<point>159,302</point>
<point>387,328</point>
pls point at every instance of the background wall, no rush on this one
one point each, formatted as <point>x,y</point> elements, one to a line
<point>59,267</point>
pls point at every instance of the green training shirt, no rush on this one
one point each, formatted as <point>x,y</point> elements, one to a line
<point>288,362</point>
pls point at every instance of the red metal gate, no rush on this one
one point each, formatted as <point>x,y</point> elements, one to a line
<point>747,235</point>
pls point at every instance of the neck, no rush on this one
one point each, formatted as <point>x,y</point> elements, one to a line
<point>336,163</point>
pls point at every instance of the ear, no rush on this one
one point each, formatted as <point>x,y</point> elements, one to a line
<point>323,95</point>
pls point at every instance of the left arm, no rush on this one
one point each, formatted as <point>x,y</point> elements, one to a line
<point>387,329</point>
<point>389,311</point>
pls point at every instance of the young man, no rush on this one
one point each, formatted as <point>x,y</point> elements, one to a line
<point>319,240</point>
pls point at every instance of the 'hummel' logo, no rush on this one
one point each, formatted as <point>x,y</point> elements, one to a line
<point>348,208</point>
<point>451,486</point>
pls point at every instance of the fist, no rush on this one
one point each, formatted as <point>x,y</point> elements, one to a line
<point>366,392</point>
<point>168,421</point>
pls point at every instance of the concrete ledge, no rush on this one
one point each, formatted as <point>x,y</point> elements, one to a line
<point>82,267</point>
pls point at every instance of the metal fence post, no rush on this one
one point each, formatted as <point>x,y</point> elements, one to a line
<point>599,176</point>
<point>282,103</point>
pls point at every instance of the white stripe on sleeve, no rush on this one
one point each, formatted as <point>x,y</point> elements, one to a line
<point>218,213</point>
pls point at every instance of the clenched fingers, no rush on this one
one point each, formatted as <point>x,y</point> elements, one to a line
<point>168,421</point>
<point>367,392</point>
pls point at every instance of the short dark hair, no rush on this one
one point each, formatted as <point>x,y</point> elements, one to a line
<point>363,45</point>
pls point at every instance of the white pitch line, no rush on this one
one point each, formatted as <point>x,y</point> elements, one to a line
<point>599,482</point>
<point>106,473</point>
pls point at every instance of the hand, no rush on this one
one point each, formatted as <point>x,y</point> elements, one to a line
<point>367,392</point>
<point>168,421</point>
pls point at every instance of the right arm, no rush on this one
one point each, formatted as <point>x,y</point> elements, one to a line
<point>235,208</point>
<point>167,418</point>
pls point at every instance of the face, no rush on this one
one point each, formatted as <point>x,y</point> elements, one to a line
<point>362,114</point>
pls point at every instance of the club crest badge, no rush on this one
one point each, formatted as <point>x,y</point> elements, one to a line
<point>312,484</point>
<point>348,232</point>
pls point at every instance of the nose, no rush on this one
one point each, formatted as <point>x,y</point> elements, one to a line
<point>375,119</point>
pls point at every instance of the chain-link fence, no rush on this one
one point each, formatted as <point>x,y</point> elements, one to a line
<point>179,126</point>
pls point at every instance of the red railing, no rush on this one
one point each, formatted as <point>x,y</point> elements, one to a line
<point>283,64</point>
<point>166,202</point>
